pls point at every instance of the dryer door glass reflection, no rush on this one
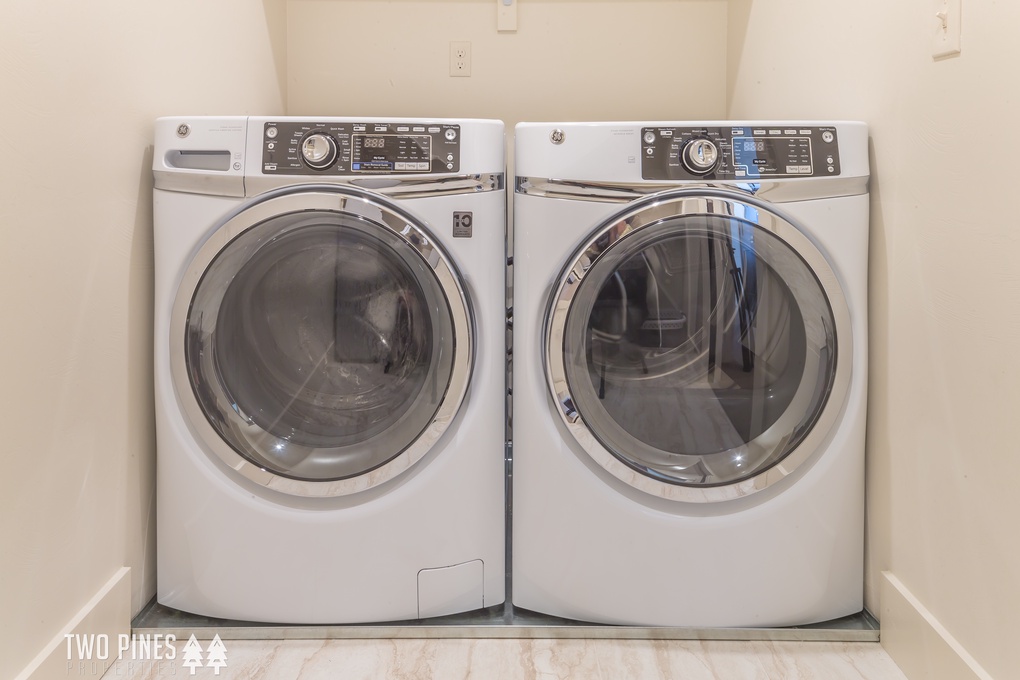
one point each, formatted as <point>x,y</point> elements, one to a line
<point>700,350</point>
<point>319,346</point>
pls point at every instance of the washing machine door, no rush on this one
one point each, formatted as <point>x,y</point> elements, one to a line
<point>699,345</point>
<point>321,341</point>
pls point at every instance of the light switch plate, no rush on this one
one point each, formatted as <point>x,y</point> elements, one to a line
<point>946,28</point>
<point>506,16</point>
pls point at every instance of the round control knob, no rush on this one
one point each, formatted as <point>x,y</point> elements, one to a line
<point>318,150</point>
<point>700,156</point>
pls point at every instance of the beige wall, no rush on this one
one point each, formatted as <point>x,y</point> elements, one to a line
<point>945,318</point>
<point>569,59</point>
<point>81,85</point>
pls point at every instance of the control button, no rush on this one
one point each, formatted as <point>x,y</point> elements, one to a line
<point>700,156</point>
<point>805,132</point>
<point>737,132</point>
<point>792,169</point>
<point>649,151</point>
<point>449,166</point>
<point>449,156</point>
<point>419,128</point>
<point>829,160</point>
<point>272,132</point>
<point>649,137</point>
<point>759,133</point>
<point>400,166</point>
<point>380,128</point>
<point>832,169</point>
<point>402,128</point>
<point>318,150</point>
<point>827,136</point>
<point>775,132</point>
<point>359,128</point>
<point>271,145</point>
<point>435,130</point>
<point>451,134</point>
<point>425,165</point>
<point>790,132</point>
<point>805,169</point>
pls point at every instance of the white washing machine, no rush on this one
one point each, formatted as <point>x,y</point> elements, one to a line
<point>329,367</point>
<point>690,371</point>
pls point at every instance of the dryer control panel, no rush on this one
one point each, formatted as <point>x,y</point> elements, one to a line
<point>738,153</point>
<point>303,148</point>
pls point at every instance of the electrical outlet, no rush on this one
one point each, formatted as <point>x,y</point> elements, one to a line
<point>946,35</point>
<point>460,59</point>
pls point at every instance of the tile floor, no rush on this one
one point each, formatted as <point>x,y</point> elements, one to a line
<point>522,659</point>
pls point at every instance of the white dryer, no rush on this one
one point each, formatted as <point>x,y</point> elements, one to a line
<point>690,371</point>
<point>329,367</point>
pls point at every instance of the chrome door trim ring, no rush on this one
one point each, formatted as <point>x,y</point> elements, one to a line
<point>691,202</point>
<point>777,191</point>
<point>328,198</point>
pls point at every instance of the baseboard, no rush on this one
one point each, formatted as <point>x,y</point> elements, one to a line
<point>917,642</point>
<point>107,613</point>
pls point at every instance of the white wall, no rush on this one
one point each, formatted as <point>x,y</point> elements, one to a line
<point>81,85</point>
<point>945,321</point>
<point>569,59</point>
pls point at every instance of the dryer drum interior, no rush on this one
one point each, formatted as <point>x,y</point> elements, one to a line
<point>699,348</point>
<point>319,345</point>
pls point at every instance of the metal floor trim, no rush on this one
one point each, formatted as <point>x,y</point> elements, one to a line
<point>496,622</point>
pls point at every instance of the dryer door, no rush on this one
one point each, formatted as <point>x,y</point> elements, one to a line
<point>321,341</point>
<point>698,345</point>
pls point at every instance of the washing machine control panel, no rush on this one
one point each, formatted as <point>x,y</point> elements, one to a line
<point>315,148</point>
<point>738,153</point>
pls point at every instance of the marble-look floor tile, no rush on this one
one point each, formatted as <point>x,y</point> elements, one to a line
<point>523,659</point>
<point>687,659</point>
<point>827,661</point>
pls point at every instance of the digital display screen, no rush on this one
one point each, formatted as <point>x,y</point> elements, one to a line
<point>374,142</point>
<point>751,154</point>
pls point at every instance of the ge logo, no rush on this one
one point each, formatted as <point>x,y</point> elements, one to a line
<point>462,223</point>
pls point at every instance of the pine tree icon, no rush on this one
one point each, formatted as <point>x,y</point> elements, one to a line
<point>217,655</point>
<point>193,655</point>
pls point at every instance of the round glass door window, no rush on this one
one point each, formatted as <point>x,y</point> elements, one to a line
<point>320,345</point>
<point>697,340</point>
